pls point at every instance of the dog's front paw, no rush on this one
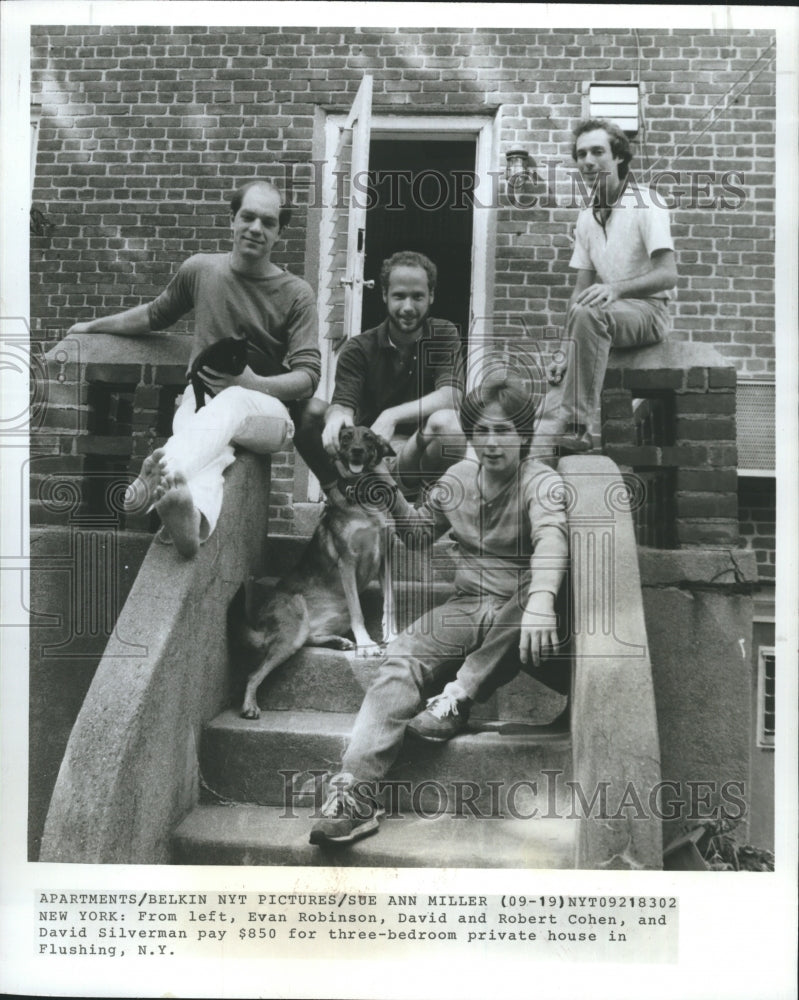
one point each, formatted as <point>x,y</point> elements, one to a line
<point>339,642</point>
<point>250,711</point>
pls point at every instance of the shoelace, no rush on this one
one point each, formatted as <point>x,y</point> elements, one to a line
<point>441,706</point>
<point>339,799</point>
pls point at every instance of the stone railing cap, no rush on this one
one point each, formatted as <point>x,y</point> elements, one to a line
<point>677,354</point>
<point>106,349</point>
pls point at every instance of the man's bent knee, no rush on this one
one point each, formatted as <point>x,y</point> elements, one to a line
<point>309,415</point>
<point>587,319</point>
<point>442,423</point>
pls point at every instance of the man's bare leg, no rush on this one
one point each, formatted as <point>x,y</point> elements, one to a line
<point>180,517</point>
<point>143,491</point>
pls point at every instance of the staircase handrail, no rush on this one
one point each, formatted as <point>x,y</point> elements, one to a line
<point>615,746</point>
<point>130,771</point>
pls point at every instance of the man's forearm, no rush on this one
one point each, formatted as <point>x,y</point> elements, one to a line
<point>645,285</point>
<point>661,276</point>
<point>413,525</point>
<point>549,562</point>
<point>128,323</point>
<point>293,385</point>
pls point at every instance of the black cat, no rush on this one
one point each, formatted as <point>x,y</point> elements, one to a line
<point>228,356</point>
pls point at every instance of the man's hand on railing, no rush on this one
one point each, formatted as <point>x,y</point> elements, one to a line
<point>539,630</point>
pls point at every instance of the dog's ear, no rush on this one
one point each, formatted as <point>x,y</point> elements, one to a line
<point>384,446</point>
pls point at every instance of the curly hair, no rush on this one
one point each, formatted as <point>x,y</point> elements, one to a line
<point>619,143</point>
<point>408,258</point>
<point>284,216</point>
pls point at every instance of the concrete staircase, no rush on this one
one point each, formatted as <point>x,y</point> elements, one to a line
<point>467,803</point>
<point>154,774</point>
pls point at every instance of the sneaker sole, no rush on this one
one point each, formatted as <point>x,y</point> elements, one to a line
<point>429,738</point>
<point>371,826</point>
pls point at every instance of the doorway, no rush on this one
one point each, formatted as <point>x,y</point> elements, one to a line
<point>433,162</point>
<point>419,200</point>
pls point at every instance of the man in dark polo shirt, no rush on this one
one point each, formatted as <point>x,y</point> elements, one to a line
<point>404,378</point>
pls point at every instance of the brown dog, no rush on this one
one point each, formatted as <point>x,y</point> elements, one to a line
<point>319,599</point>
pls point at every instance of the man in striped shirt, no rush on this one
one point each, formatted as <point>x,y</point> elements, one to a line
<point>240,294</point>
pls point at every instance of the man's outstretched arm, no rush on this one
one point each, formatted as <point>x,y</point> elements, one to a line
<point>128,323</point>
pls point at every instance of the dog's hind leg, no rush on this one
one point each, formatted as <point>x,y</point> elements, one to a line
<point>279,650</point>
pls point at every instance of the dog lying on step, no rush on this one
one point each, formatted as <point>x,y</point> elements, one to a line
<point>319,599</point>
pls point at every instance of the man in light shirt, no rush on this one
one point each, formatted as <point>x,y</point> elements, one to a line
<point>624,256</point>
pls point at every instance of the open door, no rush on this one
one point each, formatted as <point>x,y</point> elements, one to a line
<point>345,190</point>
<point>457,152</point>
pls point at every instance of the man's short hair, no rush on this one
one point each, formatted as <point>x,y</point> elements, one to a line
<point>284,216</point>
<point>408,258</point>
<point>619,143</point>
<point>519,398</point>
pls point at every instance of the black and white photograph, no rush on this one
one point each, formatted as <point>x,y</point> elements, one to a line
<point>399,492</point>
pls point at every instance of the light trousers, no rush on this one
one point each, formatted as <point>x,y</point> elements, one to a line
<point>590,333</point>
<point>472,639</point>
<point>201,445</point>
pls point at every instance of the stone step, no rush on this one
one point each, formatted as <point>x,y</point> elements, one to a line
<point>323,679</point>
<point>262,835</point>
<point>329,680</point>
<point>241,761</point>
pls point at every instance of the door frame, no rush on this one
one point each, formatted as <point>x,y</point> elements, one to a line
<point>484,129</point>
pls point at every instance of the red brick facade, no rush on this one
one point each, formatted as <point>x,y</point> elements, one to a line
<point>144,131</point>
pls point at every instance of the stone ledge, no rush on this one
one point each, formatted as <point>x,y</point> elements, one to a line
<point>681,355</point>
<point>130,769</point>
<point>150,358</point>
<point>698,567</point>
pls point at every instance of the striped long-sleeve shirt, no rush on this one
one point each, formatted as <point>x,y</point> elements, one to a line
<point>276,314</point>
<point>517,538</point>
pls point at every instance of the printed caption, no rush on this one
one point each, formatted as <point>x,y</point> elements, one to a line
<point>348,925</point>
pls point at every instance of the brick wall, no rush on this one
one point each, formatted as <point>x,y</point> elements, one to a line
<point>757,505</point>
<point>144,131</point>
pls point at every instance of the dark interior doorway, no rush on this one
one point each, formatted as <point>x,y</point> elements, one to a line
<point>419,188</point>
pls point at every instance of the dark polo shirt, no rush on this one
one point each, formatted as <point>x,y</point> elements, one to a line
<point>372,375</point>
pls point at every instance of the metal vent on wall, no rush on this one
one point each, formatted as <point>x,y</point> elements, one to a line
<point>616,102</point>
<point>756,433</point>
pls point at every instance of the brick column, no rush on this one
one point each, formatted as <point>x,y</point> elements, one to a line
<point>691,443</point>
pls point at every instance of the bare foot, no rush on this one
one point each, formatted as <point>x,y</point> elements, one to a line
<point>181,518</point>
<point>145,490</point>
